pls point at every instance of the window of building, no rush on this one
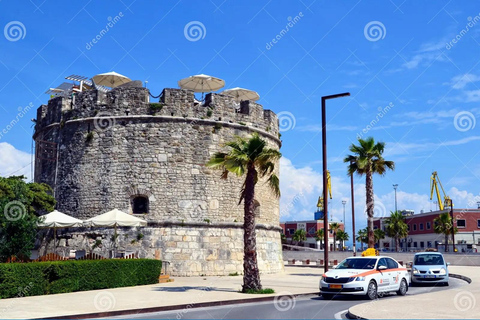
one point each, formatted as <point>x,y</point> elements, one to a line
<point>428,225</point>
<point>415,227</point>
<point>420,226</point>
<point>291,231</point>
<point>461,223</point>
<point>478,224</point>
<point>311,231</point>
<point>422,244</point>
<point>408,227</point>
<point>140,205</point>
<point>415,244</point>
<point>429,244</point>
<point>256,208</point>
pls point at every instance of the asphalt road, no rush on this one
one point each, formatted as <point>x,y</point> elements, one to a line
<point>310,307</point>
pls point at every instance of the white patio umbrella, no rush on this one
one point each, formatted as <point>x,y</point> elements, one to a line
<point>115,218</point>
<point>201,83</point>
<point>241,94</point>
<point>57,219</point>
<point>110,79</point>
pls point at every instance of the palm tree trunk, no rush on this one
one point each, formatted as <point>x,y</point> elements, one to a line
<point>251,274</point>
<point>446,241</point>
<point>396,244</point>
<point>370,208</point>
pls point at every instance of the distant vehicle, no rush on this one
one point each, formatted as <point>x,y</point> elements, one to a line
<point>368,276</point>
<point>429,267</point>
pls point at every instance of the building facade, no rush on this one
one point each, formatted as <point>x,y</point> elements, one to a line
<point>310,227</point>
<point>100,151</point>
<point>421,234</point>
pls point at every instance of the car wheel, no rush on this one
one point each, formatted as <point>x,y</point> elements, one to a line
<point>371,290</point>
<point>402,290</point>
<point>327,296</point>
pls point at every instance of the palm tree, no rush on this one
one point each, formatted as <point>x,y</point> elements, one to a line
<point>319,235</point>
<point>362,236</point>
<point>443,225</point>
<point>342,236</point>
<point>334,226</point>
<point>252,157</point>
<point>366,160</point>
<point>396,227</point>
<point>379,234</point>
<point>299,236</point>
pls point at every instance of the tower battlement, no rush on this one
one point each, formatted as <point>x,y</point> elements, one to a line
<point>135,101</point>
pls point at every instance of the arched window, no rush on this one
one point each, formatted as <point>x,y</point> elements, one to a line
<point>140,205</point>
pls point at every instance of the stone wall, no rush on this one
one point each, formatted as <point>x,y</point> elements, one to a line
<point>112,147</point>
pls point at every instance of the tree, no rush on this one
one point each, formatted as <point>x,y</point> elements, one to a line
<point>299,236</point>
<point>334,226</point>
<point>319,236</point>
<point>250,157</point>
<point>362,236</point>
<point>366,160</point>
<point>443,225</point>
<point>342,236</point>
<point>396,227</point>
<point>19,204</point>
<point>378,234</point>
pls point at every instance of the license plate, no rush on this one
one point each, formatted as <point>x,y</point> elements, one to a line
<point>430,276</point>
<point>335,286</point>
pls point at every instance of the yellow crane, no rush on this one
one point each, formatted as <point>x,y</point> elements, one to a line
<point>329,187</point>
<point>434,184</point>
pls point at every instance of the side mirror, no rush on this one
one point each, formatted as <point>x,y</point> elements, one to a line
<point>448,263</point>
<point>381,268</point>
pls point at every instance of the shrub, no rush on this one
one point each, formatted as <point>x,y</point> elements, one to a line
<point>156,107</point>
<point>38,278</point>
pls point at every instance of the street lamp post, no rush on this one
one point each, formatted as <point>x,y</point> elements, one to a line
<point>325,185</point>
<point>344,202</point>
<point>453,226</point>
<point>395,188</point>
<point>353,213</point>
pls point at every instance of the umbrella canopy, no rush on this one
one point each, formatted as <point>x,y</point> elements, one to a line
<point>110,79</point>
<point>57,219</point>
<point>116,218</point>
<point>201,83</point>
<point>241,94</point>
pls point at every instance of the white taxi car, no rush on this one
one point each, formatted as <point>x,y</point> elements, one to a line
<point>367,276</point>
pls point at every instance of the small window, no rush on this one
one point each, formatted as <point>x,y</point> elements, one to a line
<point>291,231</point>
<point>422,244</point>
<point>429,226</point>
<point>311,231</point>
<point>415,244</point>
<point>429,244</point>
<point>408,227</point>
<point>415,227</point>
<point>420,226</point>
<point>140,205</point>
<point>461,223</point>
<point>478,224</point>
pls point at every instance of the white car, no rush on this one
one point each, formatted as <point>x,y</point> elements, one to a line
<point>367,276</point>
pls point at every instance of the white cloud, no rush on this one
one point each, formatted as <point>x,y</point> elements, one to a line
<point>460,81</point>
<point>400,148</point>
<point>14,161</point>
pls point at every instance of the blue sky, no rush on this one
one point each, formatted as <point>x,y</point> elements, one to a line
<point>408,66</point>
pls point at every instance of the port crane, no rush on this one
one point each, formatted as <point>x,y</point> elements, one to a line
<point>437,185</point>
<point>329,187</point>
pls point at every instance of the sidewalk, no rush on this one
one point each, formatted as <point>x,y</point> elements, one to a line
<point>182,294</point>
<point>461,303</point>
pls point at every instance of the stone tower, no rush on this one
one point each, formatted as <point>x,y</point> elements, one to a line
<point>101,151</point>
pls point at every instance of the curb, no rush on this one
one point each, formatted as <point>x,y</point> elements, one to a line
<point>350,315</point>
<point>459,276</point>
<point>177,307</point>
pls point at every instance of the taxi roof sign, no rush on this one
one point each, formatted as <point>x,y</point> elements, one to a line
<point>370,252</point>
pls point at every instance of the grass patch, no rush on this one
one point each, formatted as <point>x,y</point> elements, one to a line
<point>261,291</point>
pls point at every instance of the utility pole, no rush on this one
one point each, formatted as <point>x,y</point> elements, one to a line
<point>344,202</point>
<point>325,182</point>
<point>395,186</point>
<point>353,213</point>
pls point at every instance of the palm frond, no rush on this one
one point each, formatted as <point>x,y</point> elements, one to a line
<point>274,184</point>
<point>217,160</point>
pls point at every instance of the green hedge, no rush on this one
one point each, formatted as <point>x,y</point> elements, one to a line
<point>38,278</point>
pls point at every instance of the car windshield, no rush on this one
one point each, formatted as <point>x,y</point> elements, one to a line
<point>428,260</point>
<point>357,263</point>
